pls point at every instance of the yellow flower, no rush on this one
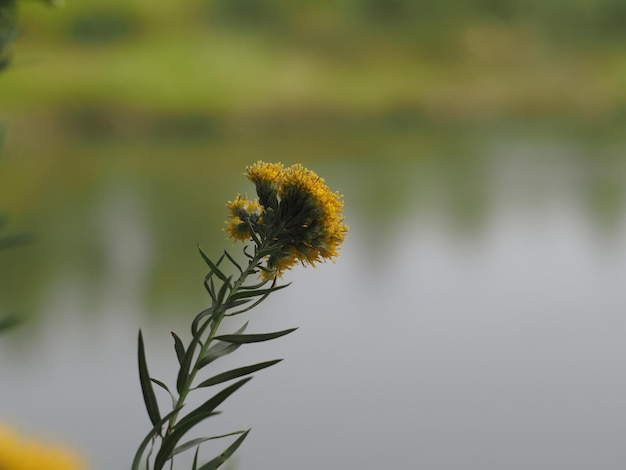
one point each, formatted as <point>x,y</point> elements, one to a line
<point>270,173</point>
<point>266,178</point>
<point>313,216</point>
<point>240,210</point>
<point>18,453</point>
<point>301,217</point>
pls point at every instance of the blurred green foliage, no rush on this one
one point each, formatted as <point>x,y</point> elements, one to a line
<point>8,18</point>
<point>102,25</point>
<point>250,57</point>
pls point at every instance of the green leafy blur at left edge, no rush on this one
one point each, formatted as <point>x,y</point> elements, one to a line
<point>8,28</point>
<point>295,219</point>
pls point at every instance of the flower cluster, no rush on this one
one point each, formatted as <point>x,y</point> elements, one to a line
<point>243,214</point>
<point>17,453</point>
<point>296,215</point>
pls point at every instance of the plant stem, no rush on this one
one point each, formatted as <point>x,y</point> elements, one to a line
<point>216,318</point>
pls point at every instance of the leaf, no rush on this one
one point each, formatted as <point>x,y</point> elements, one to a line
<point>179,348</point>
<point>252,231</point>
<point>236,303</point>
<point>232,260</point>
<point>199,414</point>
<point>149,398</point>
<point>213,402</point>
<point>222,293</point>
<point>234,373</point>
<point>195,460</point>
<point>258,285</point>
<point>169,441</point>
<point>269,250</point>
<point>256,302</point>
<point>155,430</point>
<point>244,294</point>
<point>224,456</point>
<point>209,285</point>
<point>194,442</point>
<point>183,372</point>
<point>218,350</point>
<point>215,352</point>
<point>200,316</point>
<point>163,386</point>
<point>248,308</point>
<point>212,265</point>
<point>257,338</point>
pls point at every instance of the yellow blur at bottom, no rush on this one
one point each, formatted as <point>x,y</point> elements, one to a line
<point>19,453</point>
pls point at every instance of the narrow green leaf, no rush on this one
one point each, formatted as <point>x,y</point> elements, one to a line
<point>195,460</point>
<point>210,286</point>
<point>257,338</point>
<point>183,372</point>
<point>221,295</point>
<point>165,387</point>
<point>161,384</point>
<point>169,441</point>
<point>179,348</point>
<point>156,430</point>
<point>256,302</point>
<point>215,352</point>
<point>244,294</point>
<point>258,285</point>
<point>236,303</point>
<point>245,252</point>
<point>213,402</point>
<point>219,350</point>
<point>234,373</point>
<point>233,261</point>
<point>212,265</point>
<point>209,280</point>
<point>224,456</point>
<point>252,231</point>
<point>204,313</point>
<point>269,250</point>
<point>248,308</point>
<point>146,386</point>
<point>195,442</point>
<point>189,445</point>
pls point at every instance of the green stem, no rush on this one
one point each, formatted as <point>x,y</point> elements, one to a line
<point>216,318</point>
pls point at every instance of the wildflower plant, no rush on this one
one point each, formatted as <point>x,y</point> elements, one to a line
<point>295,219</point>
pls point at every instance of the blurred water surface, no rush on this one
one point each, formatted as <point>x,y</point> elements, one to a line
<point>474,319</point>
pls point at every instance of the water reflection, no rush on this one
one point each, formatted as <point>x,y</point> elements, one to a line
<point>473,320</point>
<point>130,215</point>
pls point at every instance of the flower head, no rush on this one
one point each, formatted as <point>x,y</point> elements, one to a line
<point>266,178</point>
<point>18,453</point>
<point>301,218</point>
<point>243,214</point>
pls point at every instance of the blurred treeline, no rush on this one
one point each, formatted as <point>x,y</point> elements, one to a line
<point>246,58</point>
<point>96,21</point>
